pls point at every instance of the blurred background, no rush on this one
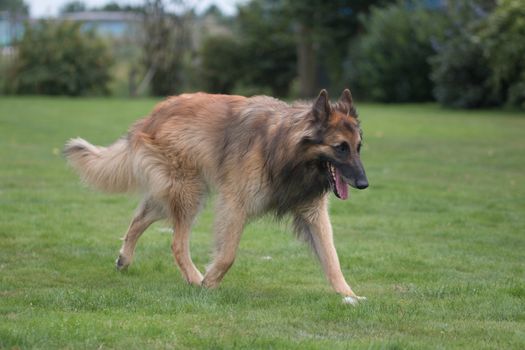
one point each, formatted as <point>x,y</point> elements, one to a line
<point>461,53</point>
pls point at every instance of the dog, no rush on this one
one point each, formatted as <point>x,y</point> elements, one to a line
<point>261,155</point>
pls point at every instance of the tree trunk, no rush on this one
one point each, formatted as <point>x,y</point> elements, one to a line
<point>306,62</point>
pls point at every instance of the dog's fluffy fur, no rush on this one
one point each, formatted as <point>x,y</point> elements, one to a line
<point>260,154</point>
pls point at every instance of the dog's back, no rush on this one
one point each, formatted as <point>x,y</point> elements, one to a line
<point>180,135</point>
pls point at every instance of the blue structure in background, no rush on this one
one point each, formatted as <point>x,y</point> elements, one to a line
<point>11,28</point>
<point>117,25</point>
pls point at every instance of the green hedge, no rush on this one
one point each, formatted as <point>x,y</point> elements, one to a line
<point>503,41</point>
<point>58,58</point>
<point>389,62</point>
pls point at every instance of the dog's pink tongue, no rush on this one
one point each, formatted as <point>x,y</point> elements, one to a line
<point>341,185</point>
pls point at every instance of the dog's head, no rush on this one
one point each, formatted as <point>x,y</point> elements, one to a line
<point>336,143</point>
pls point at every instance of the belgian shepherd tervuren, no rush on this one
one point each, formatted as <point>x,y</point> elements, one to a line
<point>259,154</point>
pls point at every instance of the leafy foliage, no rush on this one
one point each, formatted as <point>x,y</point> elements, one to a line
<point>73,6</point>
<point>461,74</point>
<point>14,6</point>
<point>259,57</point>
<point>322,32</point>
<point>503,40</point>
<point>219,69</point>
<point>389,63</point>
<point>58,58</point>
<point>268,48</point>
<point>460,71</point>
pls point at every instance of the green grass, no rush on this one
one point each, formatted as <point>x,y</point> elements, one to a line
<point>437,244</point>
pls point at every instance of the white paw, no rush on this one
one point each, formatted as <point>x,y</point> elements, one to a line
<point>353,300</point>
<point>121,263</point>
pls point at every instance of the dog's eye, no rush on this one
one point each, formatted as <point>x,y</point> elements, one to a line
<point>342,147</point>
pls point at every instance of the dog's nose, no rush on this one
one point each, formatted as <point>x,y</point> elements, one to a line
<point>361,184</point>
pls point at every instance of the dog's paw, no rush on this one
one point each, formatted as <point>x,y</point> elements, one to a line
<point>121,264</point>
<point>353,300</point>
<point>209,284</point>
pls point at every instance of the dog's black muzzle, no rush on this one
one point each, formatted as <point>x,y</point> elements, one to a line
<point>354,174</point>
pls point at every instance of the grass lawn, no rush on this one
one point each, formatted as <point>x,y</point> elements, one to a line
<point>437,244</point>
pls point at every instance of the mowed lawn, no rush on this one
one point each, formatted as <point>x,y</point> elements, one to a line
<point>436,243</point>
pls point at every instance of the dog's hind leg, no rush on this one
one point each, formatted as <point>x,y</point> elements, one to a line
<point>147,213</point>
<point>229,224</point>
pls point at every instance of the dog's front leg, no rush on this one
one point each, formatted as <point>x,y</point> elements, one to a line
<point>313,224</point>
<point>229,224</point>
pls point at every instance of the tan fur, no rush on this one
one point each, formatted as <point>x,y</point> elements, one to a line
<point>107,169</point>
<point>260,154</point>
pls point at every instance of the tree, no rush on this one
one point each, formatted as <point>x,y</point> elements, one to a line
<point>221,62</point>
<point>58,58</point>
<point>73,6</point>
<point>14,6</point>
<point>165,42</point>
<point>257,56</point>
<point>267,47</point>
<point>503,38</point>
<point>460,71</point>
<point>389,61</point>
<point>116,7</point>
<point>323,30</point>
<point>111,6</point>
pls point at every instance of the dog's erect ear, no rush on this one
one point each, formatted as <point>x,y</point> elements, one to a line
<point>346,99</point>
<point>321,108</point>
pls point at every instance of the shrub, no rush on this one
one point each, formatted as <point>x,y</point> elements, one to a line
<point>220,64</point>
<point>460,71</point>
<point>60,59</point>
<point>503,39</point>
<point>461,74</point>
<point>268,48</point>
<point>260,58</point>
<point>389,62</point>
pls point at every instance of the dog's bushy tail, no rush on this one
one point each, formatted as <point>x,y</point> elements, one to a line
<point>105,168</point>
